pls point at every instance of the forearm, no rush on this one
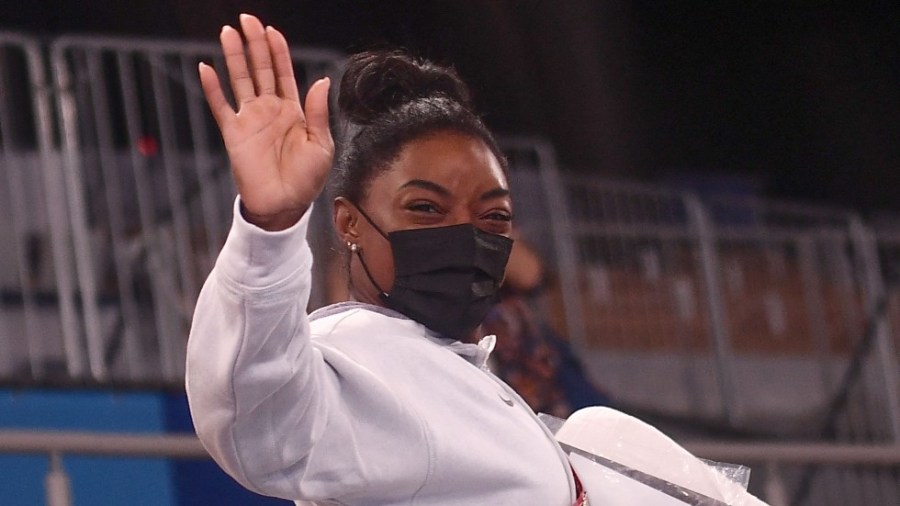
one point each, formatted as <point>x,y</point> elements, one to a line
<point>250,362</point>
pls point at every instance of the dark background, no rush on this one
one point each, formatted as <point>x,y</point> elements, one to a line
<point>796,100</point>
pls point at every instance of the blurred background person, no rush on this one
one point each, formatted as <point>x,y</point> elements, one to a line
<point>537,362</point>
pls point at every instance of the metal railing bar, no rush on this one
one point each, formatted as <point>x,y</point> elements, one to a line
<point>110,445</point>
<point>622,185</point>
<point>204,165</point>
<point>738,234</point>
<point>187,446</point>
<point>188,48</point>
<point>798,453</point>
<point>115,204</point>
<point>43,105</point>
<point>149,234</point>
<point>718,315</point>
<point>73,178</point>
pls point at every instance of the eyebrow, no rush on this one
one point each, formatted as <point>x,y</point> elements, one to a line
<point>440,190</point>
<point>427,185</point>
<point>495,193</point>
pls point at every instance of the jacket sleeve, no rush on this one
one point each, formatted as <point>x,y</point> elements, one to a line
<point>249,318</point>
<point>280,410</point>
<point>272,410</point>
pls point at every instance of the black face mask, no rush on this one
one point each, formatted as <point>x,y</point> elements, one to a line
<point>446,278</point>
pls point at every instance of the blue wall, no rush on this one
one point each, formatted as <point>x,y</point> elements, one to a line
<point>94,480</point>
<point>111,481</point>
<point>203,482</point>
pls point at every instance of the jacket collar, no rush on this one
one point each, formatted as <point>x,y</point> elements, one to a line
<point>477,354</point>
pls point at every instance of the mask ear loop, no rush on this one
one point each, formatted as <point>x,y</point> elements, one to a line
<point>354,248</point>
<point>376,227</point>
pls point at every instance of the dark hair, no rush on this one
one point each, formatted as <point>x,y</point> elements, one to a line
<point>390,98</point>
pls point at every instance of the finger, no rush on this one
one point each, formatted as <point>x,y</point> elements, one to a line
<point>236,62</point>
<point>317,126</point>
<point>212,90</point>
<point>284,67</point>
<point>260,58</point>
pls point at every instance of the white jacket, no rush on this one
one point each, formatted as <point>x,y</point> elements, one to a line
<point>355,405</point>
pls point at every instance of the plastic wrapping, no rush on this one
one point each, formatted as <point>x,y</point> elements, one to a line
<point>622,461</point>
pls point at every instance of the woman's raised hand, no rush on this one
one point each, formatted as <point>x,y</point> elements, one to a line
<point>280,155</point>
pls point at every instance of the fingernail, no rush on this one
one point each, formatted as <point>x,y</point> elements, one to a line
<point>226,28</point>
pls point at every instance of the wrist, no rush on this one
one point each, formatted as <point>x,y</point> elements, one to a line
<point>273,222</point>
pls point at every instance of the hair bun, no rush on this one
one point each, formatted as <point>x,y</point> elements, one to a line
<point>376,82</point>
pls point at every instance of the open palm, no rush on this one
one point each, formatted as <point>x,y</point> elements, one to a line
<point>280,155</point>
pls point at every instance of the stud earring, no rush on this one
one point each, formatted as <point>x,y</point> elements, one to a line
<point>353,247</point>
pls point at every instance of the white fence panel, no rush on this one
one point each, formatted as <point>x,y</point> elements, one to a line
<point>132,202</point>
<point>38,313</point>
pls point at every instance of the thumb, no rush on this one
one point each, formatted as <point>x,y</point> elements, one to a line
<point>318,127</point>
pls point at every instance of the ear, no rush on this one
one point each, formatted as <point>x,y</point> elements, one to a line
<point>346,220</point>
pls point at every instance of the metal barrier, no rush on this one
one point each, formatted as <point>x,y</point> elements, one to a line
<point>804,284</point>
<point>706,307</point>
<point>38,310</point>
<point>152,185</point>
<point>646,284</point>
<point>888,246</point>
<point>777,461</point>
<point>136,202</point>
<point>752,311</point>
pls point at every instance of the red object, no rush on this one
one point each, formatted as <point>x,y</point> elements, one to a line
<point>148,146</point>
<point>580,494</point>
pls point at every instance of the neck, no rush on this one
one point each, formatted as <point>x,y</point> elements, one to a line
<point>374,299</point>
<point>366,297</point>
<point>472,337</point>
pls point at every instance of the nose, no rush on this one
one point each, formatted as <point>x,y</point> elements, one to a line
<point>462,217</point>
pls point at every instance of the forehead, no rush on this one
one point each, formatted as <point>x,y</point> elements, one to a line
<point>459,162</point>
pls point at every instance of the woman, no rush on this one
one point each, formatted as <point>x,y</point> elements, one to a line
<point>377,401</point>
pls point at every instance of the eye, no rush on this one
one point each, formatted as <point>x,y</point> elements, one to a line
<point>496,221</point>
<point>423,207</point>
<point>498,216</point>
